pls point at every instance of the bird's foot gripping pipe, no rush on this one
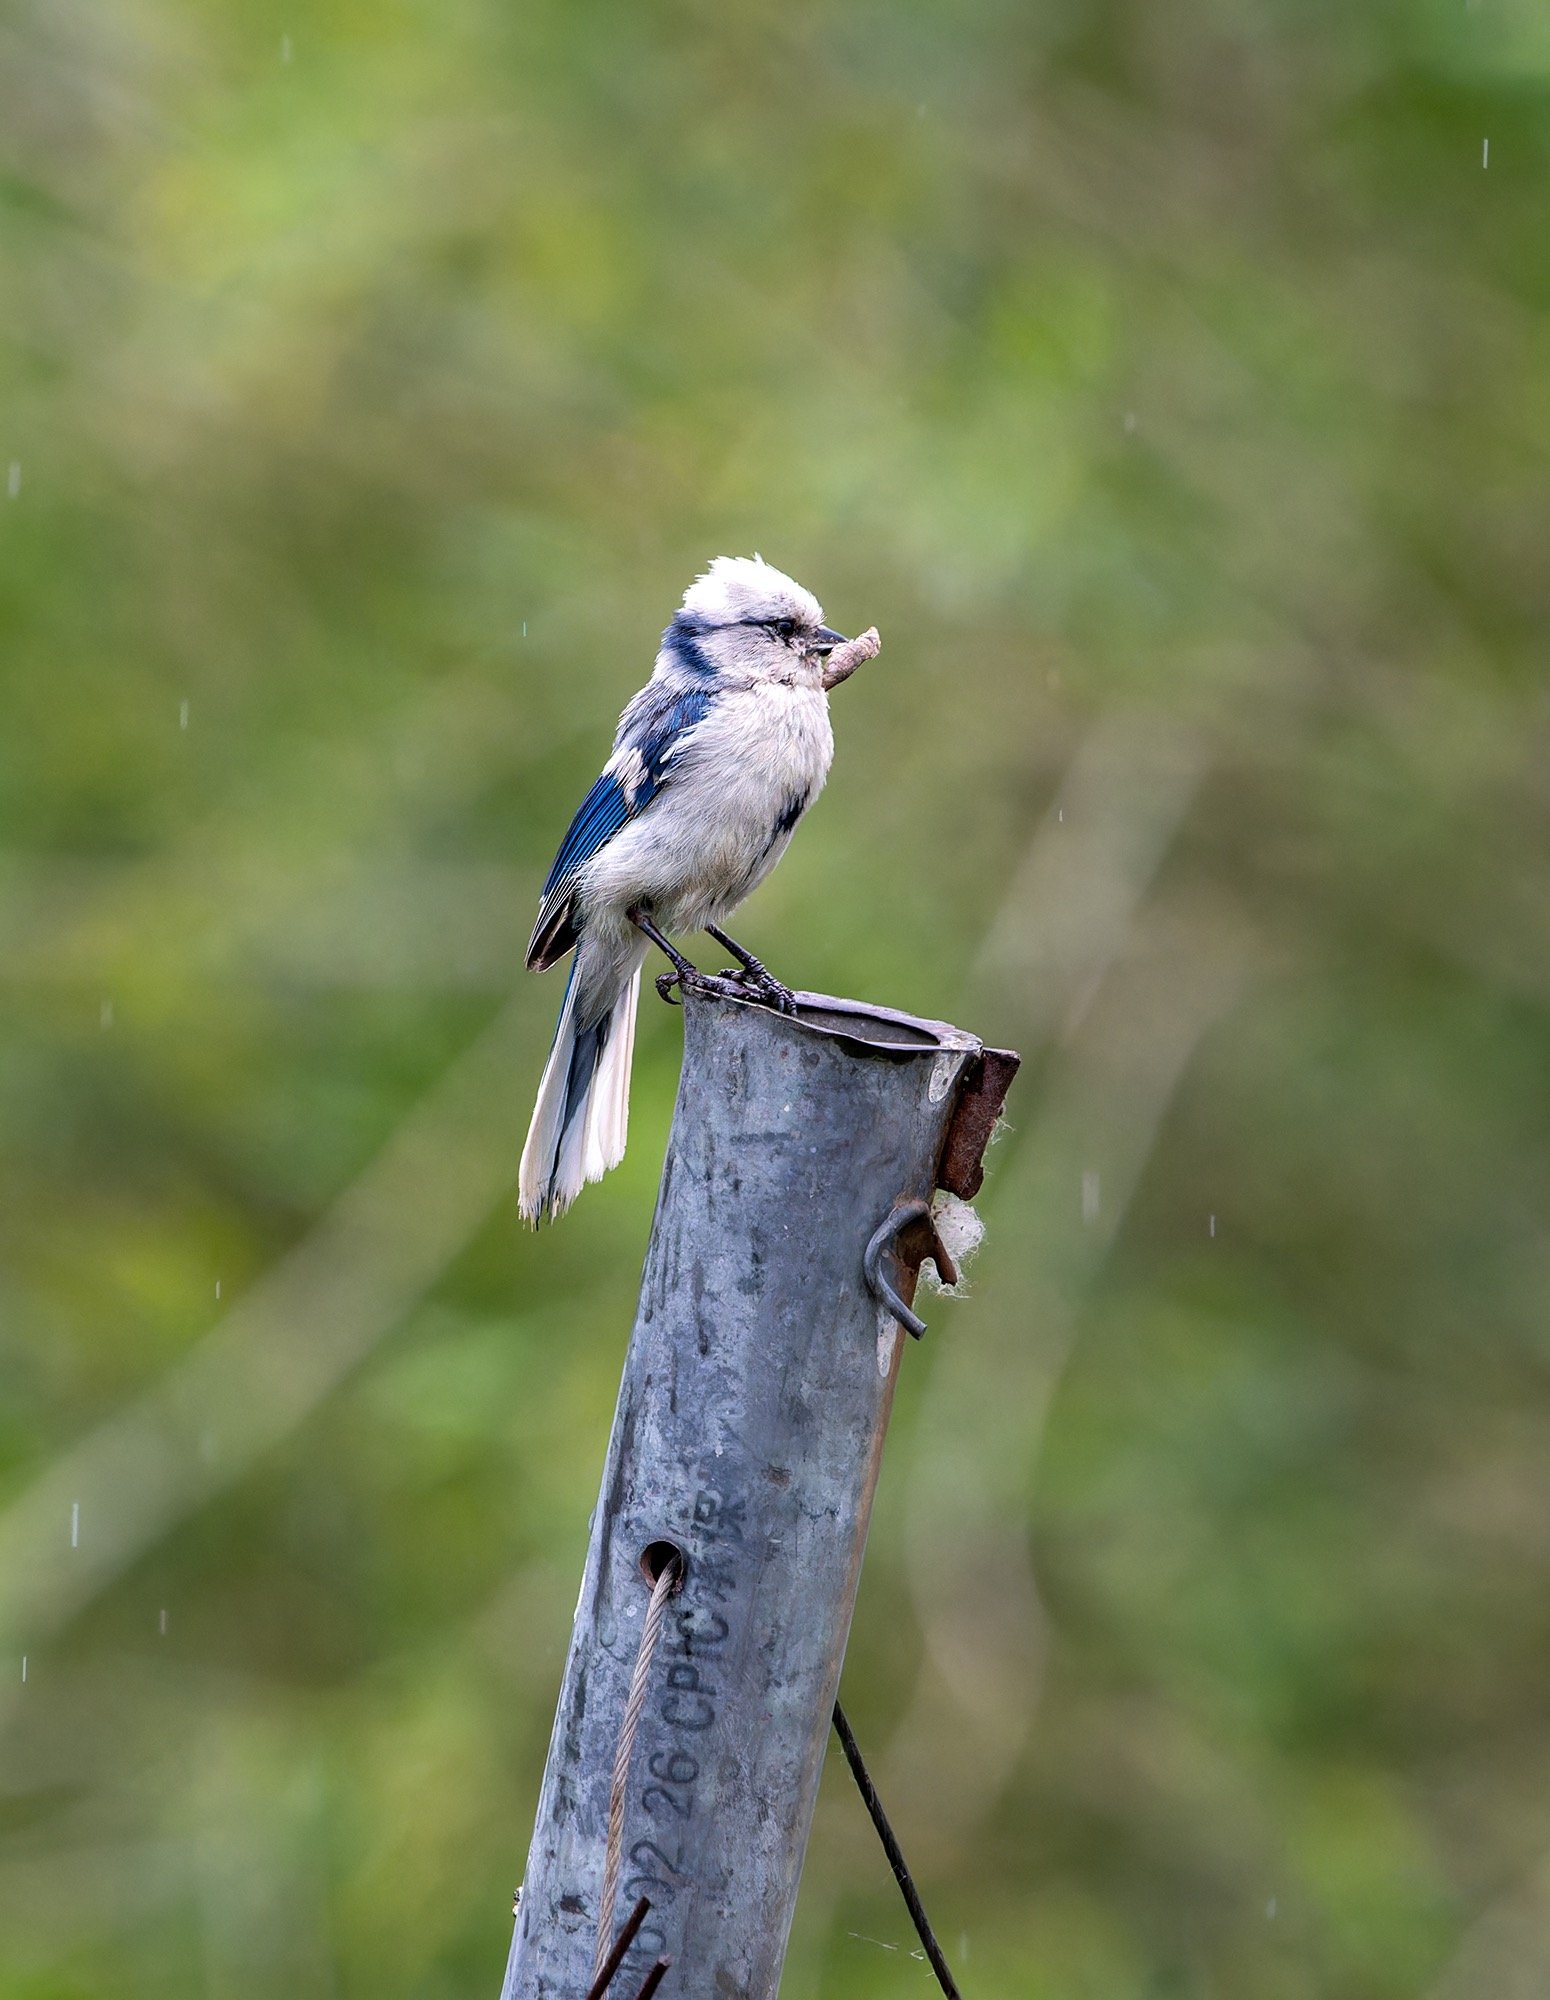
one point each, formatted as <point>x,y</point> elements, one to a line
<point>729,985</point>
<point>749,980</point>
<point>751,983</point>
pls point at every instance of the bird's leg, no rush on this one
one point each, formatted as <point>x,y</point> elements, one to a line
<point>753,983</point>
<point>744,957</point>
<point>756,975</point>
<point>682,971</point>
<point>664,944</point>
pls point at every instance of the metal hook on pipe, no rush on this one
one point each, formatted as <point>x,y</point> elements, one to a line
<point>883,1238</point>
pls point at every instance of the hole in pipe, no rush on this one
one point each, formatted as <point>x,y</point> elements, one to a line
<point>654,1559</point>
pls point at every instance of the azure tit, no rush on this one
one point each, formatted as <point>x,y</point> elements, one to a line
<point>715,761</point>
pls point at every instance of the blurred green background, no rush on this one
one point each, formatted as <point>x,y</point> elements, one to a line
<point>1172,386</point>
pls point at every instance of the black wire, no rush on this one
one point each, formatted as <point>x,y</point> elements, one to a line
<point>622,1943</point>
<point>894,1852</point>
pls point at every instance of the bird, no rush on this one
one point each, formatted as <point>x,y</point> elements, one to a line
<point>715,761</point>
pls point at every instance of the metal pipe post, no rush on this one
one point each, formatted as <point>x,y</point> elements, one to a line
<point>749,1427</point>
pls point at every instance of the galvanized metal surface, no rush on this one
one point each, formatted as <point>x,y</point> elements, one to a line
<point>750,1422</point>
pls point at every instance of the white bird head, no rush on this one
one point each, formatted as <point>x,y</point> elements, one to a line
<point>744,620</point>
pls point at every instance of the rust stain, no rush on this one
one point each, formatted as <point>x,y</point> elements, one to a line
<point>987,1079</point>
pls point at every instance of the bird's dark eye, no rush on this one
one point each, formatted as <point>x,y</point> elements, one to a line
<point>784,627</point>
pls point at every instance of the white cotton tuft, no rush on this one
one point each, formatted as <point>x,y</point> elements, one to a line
<point>962,1232</point>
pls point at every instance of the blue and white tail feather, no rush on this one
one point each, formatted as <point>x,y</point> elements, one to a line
<point>715,761</point>
<point>582,1118</point>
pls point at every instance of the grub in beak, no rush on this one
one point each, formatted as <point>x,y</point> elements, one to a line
<point>844,660</point>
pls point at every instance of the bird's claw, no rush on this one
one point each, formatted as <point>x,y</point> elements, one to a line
<point>762,986</point>
<point>736,983</point>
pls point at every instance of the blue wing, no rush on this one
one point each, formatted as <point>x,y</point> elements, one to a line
<point>653,726</point>
<point>598,818</point>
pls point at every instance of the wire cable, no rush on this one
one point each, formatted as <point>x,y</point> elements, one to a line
<point>894,1852</point>
<point>661,1591</point>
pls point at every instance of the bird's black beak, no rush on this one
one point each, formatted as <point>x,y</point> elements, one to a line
<point>825,641</point>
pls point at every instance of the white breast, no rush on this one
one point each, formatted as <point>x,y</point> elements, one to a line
<point>715,830</point>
